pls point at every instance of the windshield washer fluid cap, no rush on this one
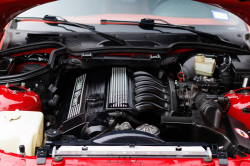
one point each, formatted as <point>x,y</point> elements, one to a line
<point>27,130</point>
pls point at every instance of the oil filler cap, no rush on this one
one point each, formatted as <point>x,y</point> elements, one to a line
<point>53,134</point>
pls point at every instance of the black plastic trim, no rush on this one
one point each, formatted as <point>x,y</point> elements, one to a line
<point>31,74</point>
<point>158,50</point>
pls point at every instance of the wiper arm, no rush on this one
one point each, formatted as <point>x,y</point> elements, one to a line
<point>88,27</point>
<point>149,24</point>
<point>149,21</point>
<point>54,19</point>
<point>50,24</point>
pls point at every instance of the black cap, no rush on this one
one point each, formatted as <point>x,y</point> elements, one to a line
<point>53,134</point>
<point>22,148</point>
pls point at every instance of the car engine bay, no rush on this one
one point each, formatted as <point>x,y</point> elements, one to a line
<point>188,98</point>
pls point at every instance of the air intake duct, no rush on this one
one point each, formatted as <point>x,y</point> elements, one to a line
<point>211,109</point>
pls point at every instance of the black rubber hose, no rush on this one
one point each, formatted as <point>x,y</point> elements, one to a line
<point>200,98</point>
<point>54,101</point>
<point>212,112</point>
<point>168,61</point>
<point>228,106</point>
<point>121,114</point>
<point>59,66</point>
<point>211,109</point>
<point>58,76</point>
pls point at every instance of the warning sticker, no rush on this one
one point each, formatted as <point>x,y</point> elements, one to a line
<point>220,15</point>
<point>241,133</point>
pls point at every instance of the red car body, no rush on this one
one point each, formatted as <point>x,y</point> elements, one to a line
<point>11,8</point>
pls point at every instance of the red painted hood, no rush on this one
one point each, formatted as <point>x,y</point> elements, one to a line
<point>11,8</point>
<point>240,8</point>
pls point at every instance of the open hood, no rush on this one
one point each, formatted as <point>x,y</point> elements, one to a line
<point>123,97</point>
<point>237,7</point>
<point>11,8</point>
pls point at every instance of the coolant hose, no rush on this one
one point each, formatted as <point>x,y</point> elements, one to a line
<point>54,101</point>
<point>168,61</point>
<point>58,76</point>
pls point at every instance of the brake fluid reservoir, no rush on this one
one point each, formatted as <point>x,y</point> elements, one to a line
<point>204,66</point>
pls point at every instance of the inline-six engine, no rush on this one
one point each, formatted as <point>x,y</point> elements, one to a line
<point>116,89</point>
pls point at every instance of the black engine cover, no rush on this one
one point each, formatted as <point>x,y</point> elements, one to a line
<point>117,89</point>
<point>97,91</point>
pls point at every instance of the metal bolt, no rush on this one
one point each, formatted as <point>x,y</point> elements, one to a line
<point>246,93</point>
<point>7,85</point>
<point>58,158</point>
<point>207,159</point>
<point>231,92</point>
<point>29,90</point>
<point>14,92</point>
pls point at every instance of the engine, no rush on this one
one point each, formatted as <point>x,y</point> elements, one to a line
<point>100,91</point>
<point>140,100</point>
<point>116,92</point>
